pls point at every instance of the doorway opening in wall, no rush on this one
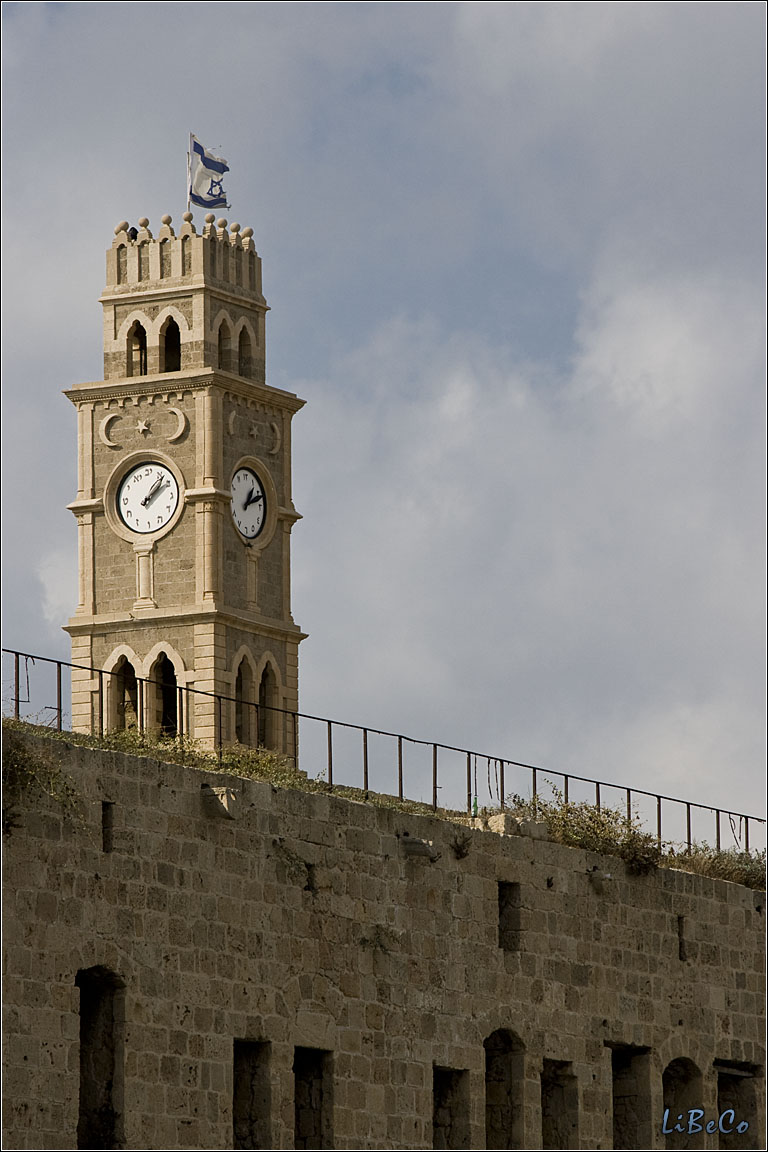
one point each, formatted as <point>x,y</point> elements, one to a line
<point>683,1088</point>
<point>504,1076</point>
<point>737,1092</point>
<point>559,1105</point>
<point>631,1081</point>
<point>312,1098</point>
<point>450,1107</point>
<point>251,1099</point>
<point>164,691</point>
<point>100,1113</point>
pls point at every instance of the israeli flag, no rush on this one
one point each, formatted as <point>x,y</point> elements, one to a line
<point>205,176</point>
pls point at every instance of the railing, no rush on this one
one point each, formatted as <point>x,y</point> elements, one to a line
<point>439,775</point>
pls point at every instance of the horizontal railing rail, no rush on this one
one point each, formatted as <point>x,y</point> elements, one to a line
<point>498,768</point>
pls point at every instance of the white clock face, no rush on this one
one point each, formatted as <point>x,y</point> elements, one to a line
<point>248,503</point>
<point>147,497</point>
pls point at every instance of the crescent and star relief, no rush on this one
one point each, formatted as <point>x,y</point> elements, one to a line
<point>143,427</point>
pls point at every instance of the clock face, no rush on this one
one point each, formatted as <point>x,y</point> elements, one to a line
<point>148,497</point>
<point>248,503</point>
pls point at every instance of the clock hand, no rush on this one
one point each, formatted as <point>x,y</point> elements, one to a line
<point>155,488</point>
<point>251,499</point>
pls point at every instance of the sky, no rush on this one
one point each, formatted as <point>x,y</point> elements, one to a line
<point>514,257</point>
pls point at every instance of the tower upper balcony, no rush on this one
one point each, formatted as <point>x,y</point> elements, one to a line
<point>180,302</point>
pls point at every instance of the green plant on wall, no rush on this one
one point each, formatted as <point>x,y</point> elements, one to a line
<point>31,772</point>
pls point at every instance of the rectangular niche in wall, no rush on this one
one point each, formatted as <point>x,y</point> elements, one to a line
<point>509,916</point>
<point>737,1093</point>
<point>100,1115</point>
<point>313,1098</point>
<point>450,1108</point>
<point>631,1078</point>
<point>559,1105</point>
<point>251,1095</point>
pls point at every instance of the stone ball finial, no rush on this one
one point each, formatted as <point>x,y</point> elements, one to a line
<point>210,217</point>
<point>234,228</point>
<point>221,222</point>
<point>247,233</point>
<point>144,222</point>
<point>166,219</point>
<point>188,216</point>
<point>121,227</point>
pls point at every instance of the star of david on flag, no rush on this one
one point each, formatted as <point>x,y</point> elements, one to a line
<point>205,175</point>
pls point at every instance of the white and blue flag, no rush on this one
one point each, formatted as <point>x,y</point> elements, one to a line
<point>206,172</point>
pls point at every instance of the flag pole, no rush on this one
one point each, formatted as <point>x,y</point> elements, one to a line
<point>189,172</point>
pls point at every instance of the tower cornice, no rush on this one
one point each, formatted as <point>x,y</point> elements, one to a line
<point>167,384</point>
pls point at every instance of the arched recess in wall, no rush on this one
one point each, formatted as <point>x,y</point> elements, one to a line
<point>682,1086</point>
<point>165,258</point>
<point>122,264</point>
<point>504,1080</point>
<point>270,699</point>
<point>246,720</point>
<point>136,350</point>
<point>224,347</point>
<point>245,353</point>
<point>123,696</point>
<point>144,261</point>
<point>170,346</point>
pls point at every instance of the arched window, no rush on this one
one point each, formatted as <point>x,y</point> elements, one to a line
<point>504,1076</point>
<point>268,716</point>
<point>137,350</point>
<point>144,261</point>
<point>186,255</point>
<point>124,711</point>
<point>225,347</point>
<point>245,710</point>
<point>162,691</point>
<point>244,364</point>
<point>165,259</point>
<point>682,1085</point>
<point>122,264</point>
<point>170,347</point>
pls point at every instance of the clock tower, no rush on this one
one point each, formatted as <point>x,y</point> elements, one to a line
<point>184,507</point>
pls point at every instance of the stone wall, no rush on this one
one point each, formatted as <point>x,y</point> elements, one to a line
<point>253,967</point>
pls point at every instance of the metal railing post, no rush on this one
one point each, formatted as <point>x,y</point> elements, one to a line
<point>629,805</point>
<point>58,697</point>
<point>330,752</point>
<point>365,759</point>
<point>180,714</point>
<point>101,703</point>
<point>746,833</point>
<point>434,777</point>
<point>220,727</point>
<point>688,825</point>
<point>469,782</point>
<point>140,704</point>
<point>16,685</point>
<point>565,788</point>
<point>501,783</point>
<point>717,826</point>
<point>597,796</point>
<point>400,767</point>
<point>295,739</point>
<point>658,820</point>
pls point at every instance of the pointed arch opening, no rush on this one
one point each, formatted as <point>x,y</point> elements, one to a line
<point>170,347</point>
<point>224,347</point>
<point>244,357</point>
<point>246,713</point>
<point>269,718</point>
<point>102,1057</point>
<point>162,704</point>
<point>137,350</point>
<point>124,696</point>
<point>683,1086</point>
<point>504,1078</point>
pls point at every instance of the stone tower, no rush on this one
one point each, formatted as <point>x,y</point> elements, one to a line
<point>184,505</point>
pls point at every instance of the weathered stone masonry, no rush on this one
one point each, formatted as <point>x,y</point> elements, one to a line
<point>278,954</point>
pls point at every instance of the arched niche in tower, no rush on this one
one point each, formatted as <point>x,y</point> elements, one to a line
<point>122,264</point>
<point>170,346</point>
<point>136,350</point>
<point>224,347</point>
<point>162,696</point>
<point>246,711</point>
<point>269,700</point>
<point>123,696</point>
<point>165,258</point>
<point>244,353</point>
